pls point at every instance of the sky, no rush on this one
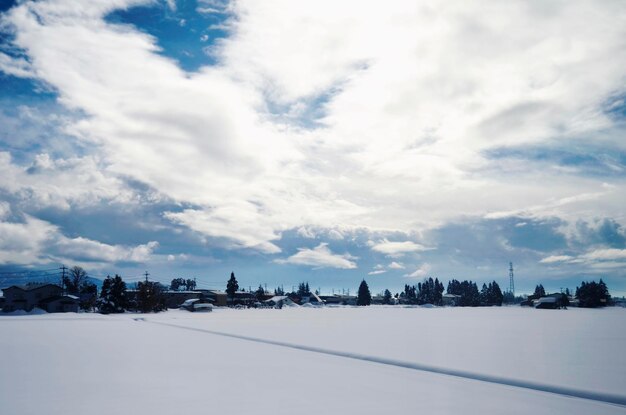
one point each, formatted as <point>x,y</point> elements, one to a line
<point>317,141</point>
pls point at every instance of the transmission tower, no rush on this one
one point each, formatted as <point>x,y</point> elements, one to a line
<point>511,282</point>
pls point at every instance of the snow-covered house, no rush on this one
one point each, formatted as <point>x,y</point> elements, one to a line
<point>26,297</point>
<point>450,299</point>
<point>196,304</point>
<point>311,298</point>
<point>278,301</point>
<point>60,304</point>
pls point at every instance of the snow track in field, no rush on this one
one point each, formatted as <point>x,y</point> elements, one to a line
<point>559,390</point>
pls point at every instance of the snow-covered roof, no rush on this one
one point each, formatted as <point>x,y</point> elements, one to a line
<point>276,298</point>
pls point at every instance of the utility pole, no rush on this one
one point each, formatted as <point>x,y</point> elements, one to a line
<point>511,282</point>
<point>146,274</point>
<point>63,269</point>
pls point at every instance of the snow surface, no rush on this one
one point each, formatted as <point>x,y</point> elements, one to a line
<point>177,361</point>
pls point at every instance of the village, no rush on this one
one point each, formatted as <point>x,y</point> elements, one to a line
<point>79,294</point>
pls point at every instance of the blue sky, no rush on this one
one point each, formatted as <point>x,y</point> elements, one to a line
<point>291,142</point>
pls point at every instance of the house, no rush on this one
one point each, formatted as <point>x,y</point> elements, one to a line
<point>26,297</point>
<point>244,298</point>
<point>450,300</point>
<point>552,301</point>
<point>278,301</point>
<point>196,304</point>
<point>339,299</point>
<point>175,299</point>
<point>312,298</point>
<point>546,303</point>
<point>220,298</point>
<point>60,304</point>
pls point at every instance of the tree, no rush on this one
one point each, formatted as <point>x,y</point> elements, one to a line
<point>364,296</point>
<point>150,297</point>
<point>76,277</point>
<point>387,297</point>
<point>593,294</point>
<point>113,295</point>
<point>260,293</point>
<point>190,284</point>
<point>177,284</point>
<point>540,291</point>
<point>491,294</point>
<point>279,291</point>
<point>430,292</point>
<point>468,292</point>
<point>231,287</point>
<point>303,289</point>
<point>410,294</point>
<point>88,295</point>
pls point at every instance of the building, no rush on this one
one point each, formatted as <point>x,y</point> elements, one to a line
<point>450,300</point>
<point>196,304</point>
<point>278,301</point>
<point>60,304</point>
<point>26,297</point>
<point>312,298</point>
<point>219,298</point>
<point>552,301</point>
<point>339,299</point>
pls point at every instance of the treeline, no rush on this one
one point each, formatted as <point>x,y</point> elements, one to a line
<point>431,292</point>
<point>593,294</point>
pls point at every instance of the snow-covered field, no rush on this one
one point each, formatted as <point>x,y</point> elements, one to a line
<point>327,360</point>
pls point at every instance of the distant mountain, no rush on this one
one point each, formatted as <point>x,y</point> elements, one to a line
<point>8,279</point>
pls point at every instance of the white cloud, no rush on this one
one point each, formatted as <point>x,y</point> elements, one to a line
<point>397,249</point>
<point>5,210</point>
<point>595,259</point>
<point>25,243</point>
<point>35,241</point>
<point>384,129</point>
<point>93,251</point>
<point>556,258</point>
<point>61,183</point>
<point>396,265</point>
<point>420,272</point>
<point>305,232</point>
<point>232,223</point>
<point>15,66</point>
<point>320,256</point>
<point>377,272</point>
<point>605,255</point>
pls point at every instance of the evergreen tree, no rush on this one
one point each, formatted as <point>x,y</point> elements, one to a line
<point>150,297</point>
<point>430,292</point>
<point>231,287</point>
<point>496,294</point>
<point>364,296</point>
<point>387,297</point>
<point>113,295</point>
<point>88,294</point>
<point>593,294</point>
<point>279,291</point>
<point>540,291</point>
<point>410,294</point>
<point>468,292</point>
<point>303,289</point>
<point>260,293</point>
